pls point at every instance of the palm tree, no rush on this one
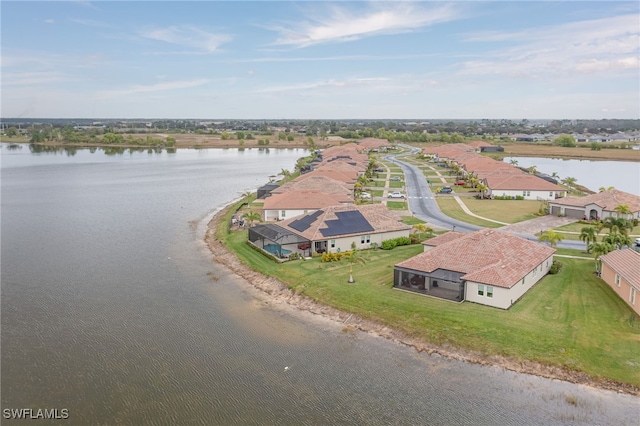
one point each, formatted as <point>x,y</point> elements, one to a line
<point>482,188</point>
<point>599,249</point>
<point>617,225</point>
<point>252,216</point>
<point>622,209</point>
<point>617,240</point>
<point>588,235</point>
<point>605,188</point>
<point>555,175</point>
<point>513,162</point>
<point>422,228</point>
<point>550,236</point>
<point>569,181</point>
<point>533,170</point>
<point>354,257</point>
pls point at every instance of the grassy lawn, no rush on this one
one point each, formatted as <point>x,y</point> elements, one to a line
<point>394,184</point>
<point>397,205</point>
<point>571,320</point>
<point>509,211</point>
<point>376,192</point>
<point>377,183</point>
<point>451,208</point>
<point>411,220</point>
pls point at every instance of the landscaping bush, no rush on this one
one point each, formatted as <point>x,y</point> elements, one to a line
<point>334,257</point>
<point>395,242</point>
<point>555,267</point>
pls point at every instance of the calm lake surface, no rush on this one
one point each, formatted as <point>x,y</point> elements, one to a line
<point>113,309</point>
<point>622,175</point>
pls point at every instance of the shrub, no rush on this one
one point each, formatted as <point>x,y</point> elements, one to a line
<point>334,257</point>
<point>555,267</point>
<point>400,241</point>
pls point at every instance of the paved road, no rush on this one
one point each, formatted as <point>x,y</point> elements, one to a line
<point>422,203</point>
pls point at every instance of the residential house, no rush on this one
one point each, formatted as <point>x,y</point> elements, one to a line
<point>489,267</point>
<point>331,229</point>
<point>597,206</point>
<point>529,187</point>
<point>621,270</point>
<point>311,182</point>
<point>295,203</point>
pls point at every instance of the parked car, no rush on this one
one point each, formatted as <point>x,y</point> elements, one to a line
<point>365,195</point>
<point>446,190</point>
<point>638,242</point>
<point>396,194</point>
<point>460,183</point>
<point>378,170</point>
<point>395,179</point>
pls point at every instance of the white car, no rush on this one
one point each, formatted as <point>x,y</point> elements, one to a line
<point>638,241</point>
<point>365,195</point>
<point>396,194</point>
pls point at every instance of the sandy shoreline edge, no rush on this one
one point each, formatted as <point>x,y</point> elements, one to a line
<point>279,292</point>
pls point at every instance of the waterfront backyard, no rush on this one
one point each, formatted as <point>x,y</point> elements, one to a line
<point>571,320</point>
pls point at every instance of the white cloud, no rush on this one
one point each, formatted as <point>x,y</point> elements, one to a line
<point>49,21</point>
<point>343,25</point>
<point>30,78</point>
<point>607,44</point>
<point>188,36</point>
<point>169,85</point>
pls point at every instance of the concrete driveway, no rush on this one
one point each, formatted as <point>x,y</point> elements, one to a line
<point>534,226</point>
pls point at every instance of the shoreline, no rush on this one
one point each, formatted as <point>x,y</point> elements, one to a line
<point>279,292</point>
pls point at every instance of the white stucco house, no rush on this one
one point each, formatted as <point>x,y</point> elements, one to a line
<point>597,206</point>
<point>488,267</point>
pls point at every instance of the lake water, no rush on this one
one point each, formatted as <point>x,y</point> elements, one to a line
<point>113,309</point>
<point>622,175</point>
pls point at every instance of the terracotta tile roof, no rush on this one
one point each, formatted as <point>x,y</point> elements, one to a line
<point>625,263</point>
<point>339,167</point>
<point>486,256</point>
<point>334,174</point>
<point>378,216</point>
<point>304,200</point>
<point>316,183</point>
<point>443,238</point>
<point>373,143</point>
<point>521,182</point>
<point>608,200</point>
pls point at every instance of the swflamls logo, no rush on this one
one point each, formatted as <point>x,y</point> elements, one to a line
<point>35,413</point>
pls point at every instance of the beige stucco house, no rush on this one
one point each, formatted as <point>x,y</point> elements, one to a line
<point>621,270</point>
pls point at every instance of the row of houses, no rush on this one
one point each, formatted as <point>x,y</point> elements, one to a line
<point>538,137</point>
<point>500,179</point>
<point>316,213</point>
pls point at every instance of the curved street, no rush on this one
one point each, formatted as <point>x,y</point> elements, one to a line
<point>423,205</point>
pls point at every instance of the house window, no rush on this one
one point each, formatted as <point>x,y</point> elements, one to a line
<point>547,265</point>
<point>305,211</point>
<point>283,213</point>
<point>550,194</point>
<point>480,290</point>
<point>632,296</point>
<point>489,291</point>
<point>522,281</point>
<point>365,239</point>
<point>618,280</point>
<point>333,243</point>
<point>535,272</point>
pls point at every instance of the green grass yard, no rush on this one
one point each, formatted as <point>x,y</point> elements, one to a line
<point>571,320</point>
<point>509,211</point>
<point>451,208</point>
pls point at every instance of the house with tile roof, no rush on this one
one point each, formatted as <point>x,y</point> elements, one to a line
<point>310,182</point>
<point>488,266</point>
<point>597,206</point>
<point>529,187</point>
<point>295,203</point>
<point>374,144</point>
<point>331,229</point>
<point>621,270</point>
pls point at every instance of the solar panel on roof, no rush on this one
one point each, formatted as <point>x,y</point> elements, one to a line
<point>305,222</point>
<point>350,222</point>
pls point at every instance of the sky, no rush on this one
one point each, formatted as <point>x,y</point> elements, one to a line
<point>320,60</point>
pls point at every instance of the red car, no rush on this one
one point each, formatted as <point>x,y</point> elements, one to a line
<point>460,183</point>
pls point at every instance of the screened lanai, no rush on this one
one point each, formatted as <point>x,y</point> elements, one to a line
<point>278,241</point>
<point>440,283</point>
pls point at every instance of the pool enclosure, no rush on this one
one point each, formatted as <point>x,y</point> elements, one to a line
<point>278,241</point>
<point>440,283</point>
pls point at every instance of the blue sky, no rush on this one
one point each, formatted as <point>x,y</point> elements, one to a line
<point>320,60</point>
